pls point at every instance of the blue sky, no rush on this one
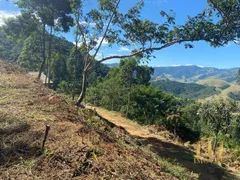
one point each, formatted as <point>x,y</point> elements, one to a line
<point>202,54</point>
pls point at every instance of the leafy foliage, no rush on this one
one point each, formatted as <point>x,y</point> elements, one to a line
<point>217,115</point>
<point>126,88</point>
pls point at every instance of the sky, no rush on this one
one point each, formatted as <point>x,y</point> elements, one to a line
<point>202,54</point>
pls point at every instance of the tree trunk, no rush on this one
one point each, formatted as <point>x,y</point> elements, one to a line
<point>75,67</point>
<point>43,53</point>
<point>112,104</point>
<point>83,91</point>
<point>129,96</point>
<point>49,56</point>
<point>215,143</point>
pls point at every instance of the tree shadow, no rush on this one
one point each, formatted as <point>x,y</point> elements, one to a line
<point>185,158</point>
<point>17,142</point>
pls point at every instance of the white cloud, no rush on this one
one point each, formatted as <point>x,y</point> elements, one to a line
<point>99,56</point>
<point>113,55</point>
<point>237,42</point>
<point>7,14</point>
<point>124,49</point>
<point>79,44</point>
<point>86,23</point>
<point>229,44</point>
<point>104,43</point>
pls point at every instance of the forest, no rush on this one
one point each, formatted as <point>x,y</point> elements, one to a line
<point>34,41</point>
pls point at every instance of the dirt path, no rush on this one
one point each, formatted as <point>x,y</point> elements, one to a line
<point>130,126</point>
<point>166,149</point>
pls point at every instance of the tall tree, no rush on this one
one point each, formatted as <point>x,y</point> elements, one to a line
<point>108,24</point>
<point>50,13</point>
<point>218,115</point>
<point>30,57</point>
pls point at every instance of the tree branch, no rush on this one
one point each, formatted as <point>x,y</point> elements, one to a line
<point>144,50</point>
<point>104,35</point>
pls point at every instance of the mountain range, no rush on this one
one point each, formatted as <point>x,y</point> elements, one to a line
<point>192,73</point>
<point>195,73</point>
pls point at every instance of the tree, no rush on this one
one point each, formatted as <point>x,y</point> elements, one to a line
<point>50,13</point>
<point>75,66</point>
<point>132,74</point>
<point>217,115</point>
<point>108,24</point>
<point>30,57</point>
<point>126,89</point>
<point>59,69</point>
<point>14,33</point>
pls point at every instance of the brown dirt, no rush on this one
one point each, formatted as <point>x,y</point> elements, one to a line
<point>166,147</point>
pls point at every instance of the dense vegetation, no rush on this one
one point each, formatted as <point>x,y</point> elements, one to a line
<point>127,89</point>
<point>22,45</point>
<point>185,90</point>
<point>234,95</point>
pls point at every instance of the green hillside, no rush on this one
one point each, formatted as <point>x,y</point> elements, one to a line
<point>214,82</point>
<point>227,90</point>
<point>186,90</point>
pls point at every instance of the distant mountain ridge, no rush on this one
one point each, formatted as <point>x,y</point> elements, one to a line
<point>191,73</point>
<point>195,73</point>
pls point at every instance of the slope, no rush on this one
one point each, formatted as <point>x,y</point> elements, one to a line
<point>80,145</point>
<point>165,147</point>
<point>214,82</point>
<point>227,90</point>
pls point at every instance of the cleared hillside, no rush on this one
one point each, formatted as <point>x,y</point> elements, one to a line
<point>79,146</point>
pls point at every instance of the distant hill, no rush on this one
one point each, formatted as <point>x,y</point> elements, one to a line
<point>111,65</point>
<point>195,73</point>
<point>219,83</point>
<point>192,73</point>
<point>186,90</point>
<point>10,49</point>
